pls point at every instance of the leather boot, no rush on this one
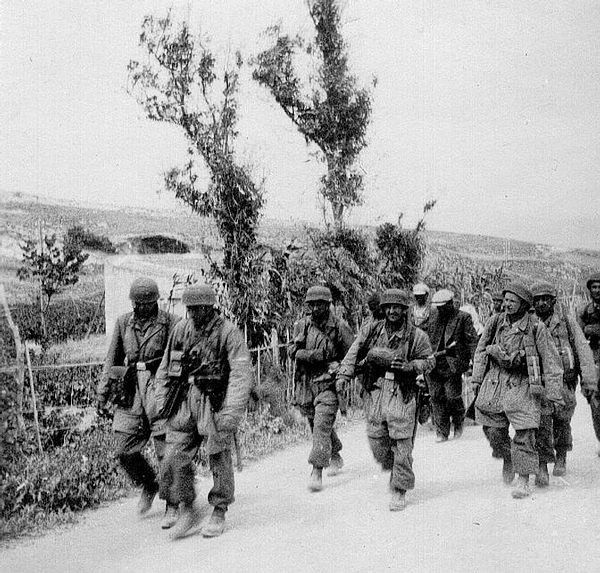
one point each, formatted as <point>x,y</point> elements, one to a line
<point>458,431</point>
<point>189,517</point>
<point>170,517</point>
<point>215,525</point>
<point>315,482</point>
<point>335,465</point>
<point>440,438</point>
<point>560,466</point>
<point>542,478</point>
<point>522,487</point>
<point>508,473</point>
<point>146,499</point>
<point>398,500</point>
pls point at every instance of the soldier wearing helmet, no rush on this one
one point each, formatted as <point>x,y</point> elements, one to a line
<point>554,433</point>
<point>320,342</point>
<point>392,352</point>
<point>203,385</point>
<point>514,350</point>
<point>453,339</point>
<point>588,318</point>
<point>135,351</point>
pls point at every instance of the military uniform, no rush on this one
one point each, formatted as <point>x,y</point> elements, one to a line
<point>588,318</point>
<point>318,346</point>
<point>454,339</point>
<point>139,344</point>
<point>577,361</point>
<point>211,365</point>
<point>508,364</point>
<point>390,396</point>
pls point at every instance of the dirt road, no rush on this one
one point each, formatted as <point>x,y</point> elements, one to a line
<point>460,517</point>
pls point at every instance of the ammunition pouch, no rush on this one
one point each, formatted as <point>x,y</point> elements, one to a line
<point>123,383</point>
<point>209,379</point>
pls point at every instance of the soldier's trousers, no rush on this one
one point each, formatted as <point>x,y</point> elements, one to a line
<point>446,401</point>
<point>521,450</point>
<point>395,455</point>
<point>129,452</point>
<point>554,433</point>
<point>595,409</point>
<point>321,418</point>
<point>179,471</point>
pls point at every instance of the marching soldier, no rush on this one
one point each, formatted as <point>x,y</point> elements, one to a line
<point>393,352</point>
<point>204,381</point>
<point>589,320</point>
<point>136,349</point>
<point>514,351</point>
<point>453,339</point>
<point>421,313</point>
<point>320,342</point>
<point>577,360</point>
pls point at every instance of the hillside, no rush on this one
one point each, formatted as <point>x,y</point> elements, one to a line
<point>20,217</point>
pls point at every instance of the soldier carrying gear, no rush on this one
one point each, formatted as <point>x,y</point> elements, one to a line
<point>320,341</point>
<point>554,432</point>
<point>453,338</point>
<point>588,318</point>
<point>135,351</point>
<point>396,353</point>
<point>204,382</point>
<point>514,351</point>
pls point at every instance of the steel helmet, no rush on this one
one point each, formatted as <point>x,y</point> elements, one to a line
<point>144,290</point>
<point>542,288</point>
<point>395,296</point>
<point>521,291</point>
<point>316,293</point>
<point>199,295</point>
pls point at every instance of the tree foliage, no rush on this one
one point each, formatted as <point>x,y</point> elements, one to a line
<point>53,264</point>
<point>180,84</point>
<point>329,108</point>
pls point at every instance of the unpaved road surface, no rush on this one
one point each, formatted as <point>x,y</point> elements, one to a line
<point>460,517</point>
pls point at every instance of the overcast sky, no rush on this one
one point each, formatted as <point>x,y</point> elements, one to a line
<point>490,107</point>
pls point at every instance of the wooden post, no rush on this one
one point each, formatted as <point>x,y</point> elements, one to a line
<point>20,364</point>
<point>275,347</point>
<point>258,369</point>
<point>33,400</point>
<point>89,331</point>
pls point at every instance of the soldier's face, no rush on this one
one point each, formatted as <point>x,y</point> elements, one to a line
<point>200,315</point>
<point>395,312</point>
<point>144,310</point>
<point>498,305</point>
<point>512,303</point>
<point>318,309</point>
<point>543,305</point>
<point>595,291</point>
<point>421,299</point>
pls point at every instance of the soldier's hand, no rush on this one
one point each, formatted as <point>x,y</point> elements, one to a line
<point>537,390</point>
<point>402,365</point>
<point>101,407</point>
<point>592,330</point>
<point>588,394</point>
<point>341,382</point>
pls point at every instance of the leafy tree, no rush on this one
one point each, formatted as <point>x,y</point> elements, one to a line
<point>329,109</point>
<point>55,265</point>
<point>401,251</point>
<point>179,84</point>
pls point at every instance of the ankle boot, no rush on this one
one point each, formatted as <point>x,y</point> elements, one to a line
<point>542,479</point>
<point>215,525</point>
<point>315,482</point>
<point>508,473</point>
<point>522,487</point>
<point>398,500</point>
<point>560,467</point>
<point>170,517</point>
<point>189,517</point>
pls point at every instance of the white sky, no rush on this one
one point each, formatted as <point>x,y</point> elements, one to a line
<point>490,107</point>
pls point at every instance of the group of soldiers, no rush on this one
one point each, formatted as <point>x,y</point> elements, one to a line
<point>186,383</point>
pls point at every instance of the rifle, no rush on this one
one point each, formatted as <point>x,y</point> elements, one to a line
<point>470,413</point>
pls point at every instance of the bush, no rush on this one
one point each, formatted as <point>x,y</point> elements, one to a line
<point>76,476</point>
<point>85,239</point>
<point>65,319</point>
<point>74,386</point>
